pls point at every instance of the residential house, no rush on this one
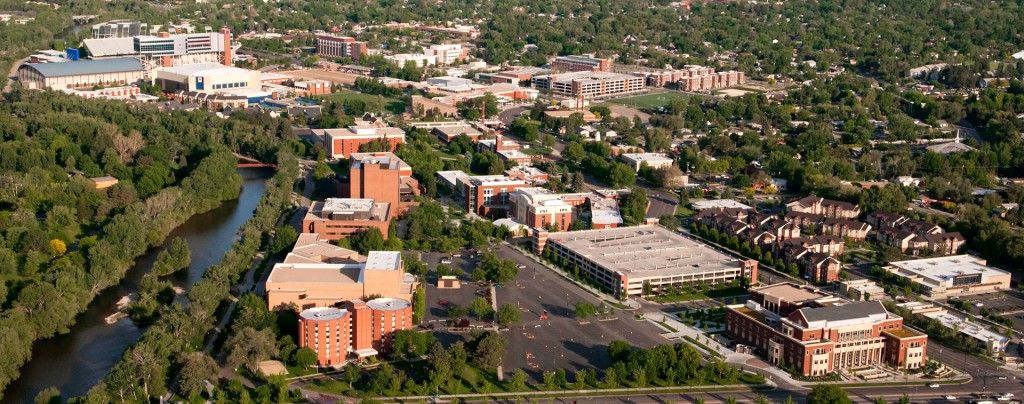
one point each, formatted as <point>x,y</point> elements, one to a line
<point>826,207</point>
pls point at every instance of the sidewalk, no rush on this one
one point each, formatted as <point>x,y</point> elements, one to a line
<point>572,393</point>
<point>632,304</point>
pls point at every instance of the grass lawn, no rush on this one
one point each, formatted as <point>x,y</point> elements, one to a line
<point>340,168</point>
<point>534,151</point>
<point>702,346</point>
<point>683,211</point>
<point>651,100</point>
<point>685,297</point>
<point>390,104</point>
<point>753,90</point>
<point>445,153</point>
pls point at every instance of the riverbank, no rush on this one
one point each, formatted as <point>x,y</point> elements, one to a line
<point>180,333</point>
<point>76,360</point>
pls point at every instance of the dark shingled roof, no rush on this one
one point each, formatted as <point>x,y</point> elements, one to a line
<point>844,312</point>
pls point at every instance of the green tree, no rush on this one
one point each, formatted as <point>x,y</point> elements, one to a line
<point>481,308</point>
<point>248,346</point>
<point>367,240</point>
<point>509,314</point>
<point>175,258</point>
<point>619,350</point>
<point>827,394</point>
<point>351,374</point>
<point>490,349</point>
<point>621,175</point>
<point>419,304</point>
<point>518,380</point>
<point>494,269</point>
<point>284,239</point>
<point>411,343</point>
<point>49,395</point>
<point>584,310</point>
<point>634,207</point>
<point>304,357</point>
<point>197,368</point>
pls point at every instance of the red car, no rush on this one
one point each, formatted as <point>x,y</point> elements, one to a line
<point>443,302</point>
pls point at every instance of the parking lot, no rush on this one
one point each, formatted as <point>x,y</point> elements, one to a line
<point>561,341</point>
<point>1006,304</point>
<point>436,313</point>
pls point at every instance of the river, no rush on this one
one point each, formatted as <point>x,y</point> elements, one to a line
<point>76,361</point>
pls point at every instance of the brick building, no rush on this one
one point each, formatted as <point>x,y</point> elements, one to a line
<point>446,54</point>
<point>581,63</point>
<point>340,143</point>
<point>821,338</point>
<point>539,207</point>
<point>712,81</point>
<point>356,329</point>
<point>317,273</point>
<point>383,177</point>
<point>332,46</point>
<point>825,207</point>
<point>338,218</point>
<point>487,195</point>
<point>912,236</point>
<point>589,84</point>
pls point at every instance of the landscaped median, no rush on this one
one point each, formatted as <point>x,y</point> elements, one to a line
<point>586,393</point>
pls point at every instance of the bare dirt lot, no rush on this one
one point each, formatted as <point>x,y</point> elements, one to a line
<point>316,74</point>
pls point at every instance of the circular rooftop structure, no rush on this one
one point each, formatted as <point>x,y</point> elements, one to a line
<point>388,304</point>
<point>323,313</point>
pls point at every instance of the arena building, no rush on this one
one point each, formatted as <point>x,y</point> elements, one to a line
<point>81,74</point>
<point>167,49</point>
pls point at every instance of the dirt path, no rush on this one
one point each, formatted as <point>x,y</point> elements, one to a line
<point>11,74</point>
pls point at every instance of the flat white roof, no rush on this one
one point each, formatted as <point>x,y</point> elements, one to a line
<point>347,205</point>
<point>205,69</point>
<point>652,157</point>
<point>605,216</point>
<point>453,176</point>
<point>387,303</point>
<point>974,330</point>
<point>106,47</point>
<point>494,180</point>
<point>718,204</point>
<point>514,154</point>
<point>384,260</point>
<point>644,251</point>
<point>323,313</point>
<point>942,269</point>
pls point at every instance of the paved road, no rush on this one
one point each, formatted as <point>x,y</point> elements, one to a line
<point>507,116</point>
<point>930,211</point>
